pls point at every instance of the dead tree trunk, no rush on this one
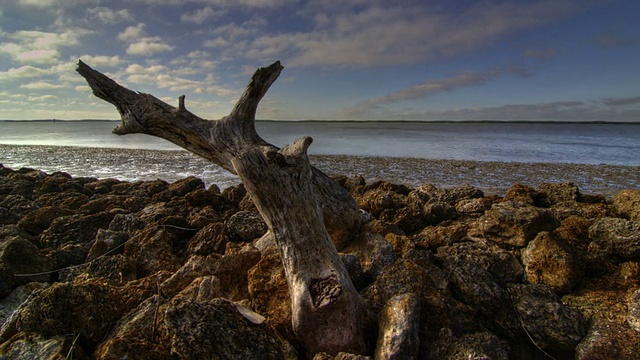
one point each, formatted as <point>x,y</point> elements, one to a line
<point>308,214</point>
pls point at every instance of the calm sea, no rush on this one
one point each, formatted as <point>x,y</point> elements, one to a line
<point>88,148</point>
<point>614,144</point>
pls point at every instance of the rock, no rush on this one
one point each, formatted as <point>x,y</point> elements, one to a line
<point>377,200</point>
<point>101,186</point>
<point>186,185</point>
<point>401,243</point>
<point>451,196</point>
<point>106,242</point>
<point>627,203</point>
<point>134,335</point>
<point>550,261</point>
<point>10,303</point>
<point>552,194</point>
<point>115,268</point>
<point>18,205</point>
<point>39,220</point>
<point>127,223</point>
<point>618,237</point>
<point>522,194</point>
<point>609,340</point>
<point>76,229</point>
<point>479,345</point>
<point>152,250</point>
<point>21,257</point>
<point>246,226</point>
<point>433,237</point>
<point>399,328</point>
<point>473,206</point>
<point>232,270</point>
<point>196,266</point>
<point>373,252</point>
<point>69,255</point>
<point>269,291</point>
<point>574,230</point>
<point>90,309</point>
<point>633,314</point>
<point>340,356</point>
<point>70,200</point>
<point>552,325</point>
<point>34,346</point>
<point>501,264</point>
<point>513,224</point>
<point>352,264</point>
<point>203,217</point>
<point>8,217</point>
<point>217,327</point>
<point>145,189</point>
<point>208,240</point>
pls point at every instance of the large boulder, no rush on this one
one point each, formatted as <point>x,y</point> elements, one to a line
<point>551,261</point>
<point>39,220</point>
<point>551,324</point>
<point>513,224</point>
<point>36,346</point>
<point>399,324</point>
<point>627,203</point>
<point>246,226</point>
<point>22,262</point>
<point>197,330</point>
<point>374,253</point>
<point>76,229</point>
<point>479,345</point>
<point>615,236</point>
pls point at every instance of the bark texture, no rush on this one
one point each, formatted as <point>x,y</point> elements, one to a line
<point>308,214</point>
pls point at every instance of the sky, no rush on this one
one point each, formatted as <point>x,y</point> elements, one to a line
<point>550,60</point>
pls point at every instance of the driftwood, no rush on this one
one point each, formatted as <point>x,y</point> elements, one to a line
<point>308,214</point>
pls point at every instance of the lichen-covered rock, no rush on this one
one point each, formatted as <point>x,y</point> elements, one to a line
<point>513,224</point>
<point>18,205</point>
<point>549,260</point>
<point>552,325</point>
<point>433,237</point>
<point>374,253</point>
<point>198,330</point>
<point>35,346</point>
<point>473,206</point>
<point>208,240</point>
<point>633,314</point>
<point>232,270</point>
<point>23,262</point>
<point>196,266</point>
<point>399,328</point>
<point>609,340</point>
<point>615,236</point>
<point>522,194</point>
<point>627,203</point>
<point>106,242</point>
<point>269,291</point>
<point>10,303</point>
<point>376,201</point>
<point>479,345</point>
<point>501,264</point>
<point>246,226</point>
<point>552,194</point>
<point>186,185</point>
<point>152,250</point>
<point>76,229</point>
<point>39,220</point>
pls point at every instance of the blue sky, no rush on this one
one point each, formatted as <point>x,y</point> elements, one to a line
<point>351,60</point>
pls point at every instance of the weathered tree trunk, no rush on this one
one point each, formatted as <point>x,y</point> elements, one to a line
<point>308,214</point>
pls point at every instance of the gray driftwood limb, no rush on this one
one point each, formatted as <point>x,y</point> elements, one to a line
<point>308,214</point>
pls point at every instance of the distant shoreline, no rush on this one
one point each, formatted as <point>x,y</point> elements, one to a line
<point>576,122</point>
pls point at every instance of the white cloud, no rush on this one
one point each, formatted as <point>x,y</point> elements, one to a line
<point>40,47</point>
<point>201,15</point>
<point>149,46</point>
<point>132,33</point>
<point>23,72</point>
<point>164,78</point>
<point>40,85</point>
<point>110,16</point>
<point>100,60</point>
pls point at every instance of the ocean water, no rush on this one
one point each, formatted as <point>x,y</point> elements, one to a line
<point>613,144</point>
<point>603,157</point>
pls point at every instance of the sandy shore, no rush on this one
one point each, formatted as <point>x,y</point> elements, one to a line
<point>491,177</point>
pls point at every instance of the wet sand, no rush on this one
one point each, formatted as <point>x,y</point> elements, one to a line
<point>491,177</point>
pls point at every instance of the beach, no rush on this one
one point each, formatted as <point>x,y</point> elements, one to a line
<point>170,165</point>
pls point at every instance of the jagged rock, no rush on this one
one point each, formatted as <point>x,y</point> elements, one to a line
<point>232,270</point>
<point>552,194</point>
<point>633,314</point>
<point>115,268</point>
<point>399,328</point>
<point>269,291</point>
<point>152,250</point>
<point>479,345</point>
<point>234,195</point>
<point>10,303</point>
<point>18,205</point>
<point>376,201</point>
<point>203,217</point>
<point>373,252</point>
<point>552,325</point>
<point>8,217</point>
<point>513,224</point>
<point>101,186</point>
<point>608,339</point>
<point>451,196</point>
<point>76,229</point>
<point>501,264</point>
<point>196,266</point>
<point>39,220</point>
<point>217,327</point>
<point>473,206</point>
<point>69,255</point>
<point>575,231</point>
<point>627,203</point>
<point>58,182</point>
<point>589,211</point>
<point>35,346</point>
<point>522,194</point>
<point>352,263</point>
<point>70,200</point>
<point>246,226</point>
<point>550,261</point>
<point>186,185</point>
<point>106,241</point>
<point>145,189</point>
<point>614,236</point>
<point>401,243</point>
<point>433,237</point>
<point>20,258</point>
<point>107,202</point>
<point>127,223</point>
<point>134,335</point>
<point>208,240</point>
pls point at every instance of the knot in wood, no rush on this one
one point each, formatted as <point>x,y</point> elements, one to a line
<point>324,291</point>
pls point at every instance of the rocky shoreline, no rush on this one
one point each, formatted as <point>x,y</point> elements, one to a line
<point>110,269</point>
